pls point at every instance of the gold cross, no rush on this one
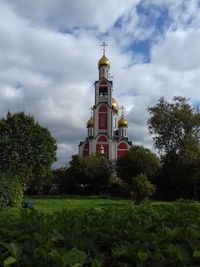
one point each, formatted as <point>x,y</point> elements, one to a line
<point>123,109</point>
<point>91,111</point>
<point>104,47</point>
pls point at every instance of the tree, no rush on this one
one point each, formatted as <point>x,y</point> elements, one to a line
<point>92,174</point>
<point>175,126</point>
<point>176,130</point>
<point>26,149</point>
<point>137,160</point>
<point>98,172</point>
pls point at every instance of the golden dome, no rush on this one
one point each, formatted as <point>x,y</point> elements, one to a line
<point>122,122</point>
<point>104,61</point>
<point>90,122</point>
<point>115,105</point>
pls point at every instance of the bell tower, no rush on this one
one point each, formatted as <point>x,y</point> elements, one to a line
<point>106,134</point>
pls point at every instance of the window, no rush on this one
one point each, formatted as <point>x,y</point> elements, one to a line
<point>103,121</point>
<point>102,117</point>
<point>103,91</point>
<point>122,148</point>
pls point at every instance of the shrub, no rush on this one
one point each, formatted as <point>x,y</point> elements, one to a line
<point>147,235</point>
<point>141,187</point>
<point>11,191</point>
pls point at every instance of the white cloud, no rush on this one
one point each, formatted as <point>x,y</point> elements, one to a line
<point>50,74</point>
<point>179,50</point>
<point>61,14</point>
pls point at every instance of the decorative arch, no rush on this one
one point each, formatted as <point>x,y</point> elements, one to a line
<point>103,109</point>
<point>103,83</point>
<point>102,138</point>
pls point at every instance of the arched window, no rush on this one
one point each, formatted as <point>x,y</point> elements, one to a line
<point>90,132</point>
<point>122,148</point>
<point>103,141</point>
<point>86,150</point>
<point>103,91</point>
<point>86,146</point>
<point>103,88</point>
<point>103,115</point>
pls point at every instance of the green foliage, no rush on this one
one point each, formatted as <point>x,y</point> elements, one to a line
<point>176,130</point>
<point>176,126</point>
<point>64,182</point>
<point>26,148</point>
<point>142,235</point>
<point>98,171</point>
<point>91,174</point>
<point>142,188</point>
<point>11,191</point>
<point>137,160</point>
<point>137,167</point>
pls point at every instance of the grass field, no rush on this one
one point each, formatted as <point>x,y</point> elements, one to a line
<point>51,204</point>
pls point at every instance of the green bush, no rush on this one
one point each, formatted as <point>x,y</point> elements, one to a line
<point>11,191</point>
<point>141,188</point>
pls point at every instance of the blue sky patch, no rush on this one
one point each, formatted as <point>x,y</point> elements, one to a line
<point>153,19</point>
<point>142,47</point>
<point>18,86</point>
<point>153,15</point>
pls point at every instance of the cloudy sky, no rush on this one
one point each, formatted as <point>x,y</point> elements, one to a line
<point>49,51</point>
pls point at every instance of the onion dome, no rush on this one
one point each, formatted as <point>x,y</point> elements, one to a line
<point>104,61</point>
<point>115,105</point>
<point>90,122</point>
<point>122,122</point>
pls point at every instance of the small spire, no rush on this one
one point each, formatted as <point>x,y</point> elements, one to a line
<point>104,47</point>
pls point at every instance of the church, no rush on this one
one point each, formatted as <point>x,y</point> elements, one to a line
<point>107,132</point>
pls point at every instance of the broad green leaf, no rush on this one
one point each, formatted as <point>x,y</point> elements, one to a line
<point>9,261</point>
<point>196,254</point>
<point>143,256</point>
<point>13,248</point>
<point>74,256</point>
